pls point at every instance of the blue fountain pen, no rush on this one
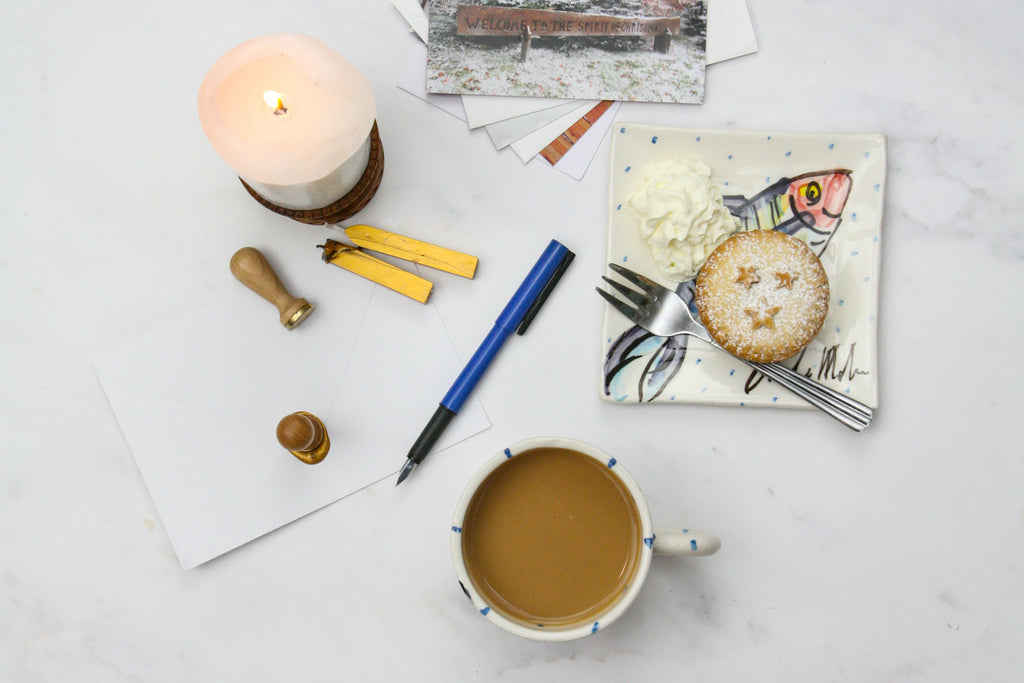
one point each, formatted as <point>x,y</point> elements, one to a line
<point>516,317</point>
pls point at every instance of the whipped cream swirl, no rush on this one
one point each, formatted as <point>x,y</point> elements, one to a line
<point>683,217</point>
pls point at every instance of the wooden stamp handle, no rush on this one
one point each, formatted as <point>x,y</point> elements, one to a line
<point>304,435</point>
<point>253,270</point>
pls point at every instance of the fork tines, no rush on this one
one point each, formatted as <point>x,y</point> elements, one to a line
<point>639,298</point>
<point>641,281</point>
<point>636,297</point>
<point>619,305</point>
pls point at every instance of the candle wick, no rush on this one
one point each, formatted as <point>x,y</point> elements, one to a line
<point>281,110</point>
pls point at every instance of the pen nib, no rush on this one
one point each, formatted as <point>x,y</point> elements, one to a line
<point>410,465</point>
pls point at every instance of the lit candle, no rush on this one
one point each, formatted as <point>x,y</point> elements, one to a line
<point>295,121</point>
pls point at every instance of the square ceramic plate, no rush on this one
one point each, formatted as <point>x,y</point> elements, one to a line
<point>753,168</point>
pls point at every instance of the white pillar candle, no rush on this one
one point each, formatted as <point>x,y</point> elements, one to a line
<point>291,117</point>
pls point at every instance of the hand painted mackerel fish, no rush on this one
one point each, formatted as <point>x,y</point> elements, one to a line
<point>808,206</point>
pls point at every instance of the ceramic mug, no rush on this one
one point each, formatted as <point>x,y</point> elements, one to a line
<point>597,515</point>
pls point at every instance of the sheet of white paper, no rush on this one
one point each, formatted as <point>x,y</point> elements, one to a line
<point>414,82</point>
<point>577,160</point>
<point>529,146</point>
<point>730,32</point>
<point>415,15</point>
<point>504,133</point>
<point>482,110</point>
<point>199,401</point>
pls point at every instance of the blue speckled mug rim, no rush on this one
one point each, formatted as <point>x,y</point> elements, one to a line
<point>572,631</point>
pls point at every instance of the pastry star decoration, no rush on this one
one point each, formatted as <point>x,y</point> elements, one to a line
<point>784,280</point>
<point>763,316</point>
<point>748,276</point>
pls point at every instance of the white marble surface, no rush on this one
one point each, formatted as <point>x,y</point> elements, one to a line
<point>896,554</point>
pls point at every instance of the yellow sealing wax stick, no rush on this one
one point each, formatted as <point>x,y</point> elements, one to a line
<point>383,273</point>
<point>408,249</point>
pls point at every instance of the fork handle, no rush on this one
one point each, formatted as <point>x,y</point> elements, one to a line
<point>850,412</point>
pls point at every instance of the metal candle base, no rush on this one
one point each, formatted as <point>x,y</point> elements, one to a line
<point>348,205</point>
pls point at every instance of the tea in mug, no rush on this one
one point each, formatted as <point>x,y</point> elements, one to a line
<point>551,537</point>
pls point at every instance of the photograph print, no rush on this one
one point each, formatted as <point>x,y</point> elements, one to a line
<point>627,50</point>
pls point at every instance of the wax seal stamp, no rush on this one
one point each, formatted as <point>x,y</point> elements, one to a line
<point>253,270</point>
<point>304,436</point>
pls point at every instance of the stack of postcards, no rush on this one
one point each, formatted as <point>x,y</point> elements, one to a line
<point>545,79</point>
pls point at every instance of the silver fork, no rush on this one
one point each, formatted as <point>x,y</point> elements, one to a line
<point>662,312</point>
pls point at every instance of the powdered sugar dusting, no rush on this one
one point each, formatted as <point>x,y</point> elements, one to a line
<point>763,295</point>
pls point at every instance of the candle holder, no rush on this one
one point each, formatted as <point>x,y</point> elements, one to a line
<point>297,123</point>
<point>347,206</point>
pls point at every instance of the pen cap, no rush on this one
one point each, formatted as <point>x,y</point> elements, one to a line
<point>550,264</point>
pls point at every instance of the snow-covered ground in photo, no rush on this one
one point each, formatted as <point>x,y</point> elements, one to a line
<point>578,73</point>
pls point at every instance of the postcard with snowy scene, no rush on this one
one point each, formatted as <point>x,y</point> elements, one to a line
<point>630,50</point>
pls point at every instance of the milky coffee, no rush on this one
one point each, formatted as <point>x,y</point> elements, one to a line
<point>551,537</point>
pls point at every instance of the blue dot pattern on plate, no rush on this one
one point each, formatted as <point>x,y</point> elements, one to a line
<point>508,453</point>
<point>627,168</point>
<point>457,529</point>
<point>693,544</point>
<point>612,462</point>
<point>649,542</point>
<point>597,625</point>
<point>654,140</point>
<point>622,130</point>
<point>485,611</point>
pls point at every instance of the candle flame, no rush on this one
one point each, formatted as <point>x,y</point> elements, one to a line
<point>274,101</point>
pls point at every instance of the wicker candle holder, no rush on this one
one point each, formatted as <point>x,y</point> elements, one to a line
<point>348,205</point>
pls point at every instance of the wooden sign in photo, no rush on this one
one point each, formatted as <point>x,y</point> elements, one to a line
<point>480,20</point>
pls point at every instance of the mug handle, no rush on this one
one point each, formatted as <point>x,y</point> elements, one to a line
<point>685,542</point>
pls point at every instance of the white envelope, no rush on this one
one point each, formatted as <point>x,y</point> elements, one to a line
<point>199,401</point>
